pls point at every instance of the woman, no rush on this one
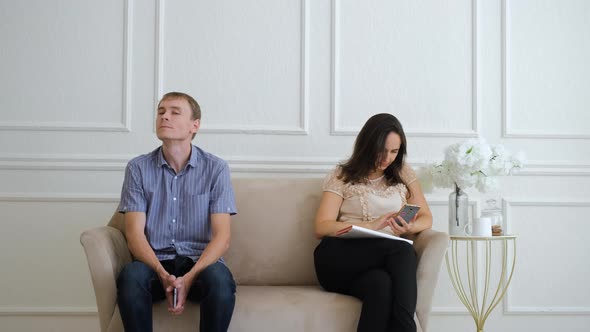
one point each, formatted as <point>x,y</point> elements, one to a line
<point>367,191</point>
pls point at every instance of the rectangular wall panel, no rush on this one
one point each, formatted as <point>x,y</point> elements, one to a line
<point>383,62</point>
<point>61,71</point>
<point>251,77</point>
<point>41,247</point>
<point>546,69</point>
<point>552,250</point>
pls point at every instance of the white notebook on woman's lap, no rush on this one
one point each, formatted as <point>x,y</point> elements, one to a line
<point>356,232</point>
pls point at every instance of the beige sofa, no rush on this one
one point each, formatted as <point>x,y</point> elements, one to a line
<point>271,258</point>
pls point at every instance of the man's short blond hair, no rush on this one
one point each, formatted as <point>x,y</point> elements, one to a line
<point>195,108</point>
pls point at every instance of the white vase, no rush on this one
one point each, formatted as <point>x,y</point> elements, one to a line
<point>458,212</point>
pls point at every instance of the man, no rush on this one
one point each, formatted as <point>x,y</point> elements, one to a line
<point>177,202</point>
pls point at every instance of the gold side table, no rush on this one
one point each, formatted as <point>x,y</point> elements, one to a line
<point>480,305</point>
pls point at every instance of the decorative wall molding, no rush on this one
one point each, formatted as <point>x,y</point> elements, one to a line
<point>337,130</point>
<point>509,308</point>
<point>507,130</point>
<point>560,168</point>
<point>48,311</point>
<point>511,201</point>
<point>59,197</point>
<point>301,129</point>
<point>124,125</point>
<point>281,165</point>
<point>59,162</point>
<point>54,162</point>
<point>510,133</point>
<point>255,164</point>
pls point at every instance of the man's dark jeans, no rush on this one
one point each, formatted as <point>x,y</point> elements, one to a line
<point>138,286</point>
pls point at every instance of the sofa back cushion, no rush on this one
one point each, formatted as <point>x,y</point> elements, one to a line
<point>273,238</point>
<point>273,233</point>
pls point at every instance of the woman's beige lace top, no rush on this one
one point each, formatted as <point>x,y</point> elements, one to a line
<point>366,202</point>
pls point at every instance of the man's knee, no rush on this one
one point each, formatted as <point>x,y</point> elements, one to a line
<point>135,275</point>
<point>218,281</point>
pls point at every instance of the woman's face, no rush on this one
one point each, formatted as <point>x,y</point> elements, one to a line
<point>392,145</point>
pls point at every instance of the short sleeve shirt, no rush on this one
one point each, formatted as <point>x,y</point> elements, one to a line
<point>367,201</point>
<point>178,206</point>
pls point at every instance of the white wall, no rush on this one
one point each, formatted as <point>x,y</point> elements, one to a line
<point>285,86</point>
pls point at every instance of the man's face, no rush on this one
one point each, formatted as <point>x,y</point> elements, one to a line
<point>174,120</point>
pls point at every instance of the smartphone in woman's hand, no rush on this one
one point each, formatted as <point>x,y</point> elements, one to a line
<point>407,212</point>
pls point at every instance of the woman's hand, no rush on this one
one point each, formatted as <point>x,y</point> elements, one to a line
<point>382,222</point>
<point>399,226</point>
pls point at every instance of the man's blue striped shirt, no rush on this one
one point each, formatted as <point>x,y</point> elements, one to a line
<point>178,206</point>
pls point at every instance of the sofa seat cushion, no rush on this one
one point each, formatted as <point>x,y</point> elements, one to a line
<point>269,308</point>
<point>294,308</point>
<point>272,308</point>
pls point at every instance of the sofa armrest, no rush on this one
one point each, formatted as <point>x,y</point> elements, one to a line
<point>107,254</point>
<point>430,247</point>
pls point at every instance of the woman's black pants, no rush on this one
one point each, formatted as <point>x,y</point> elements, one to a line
<point>379,272</point>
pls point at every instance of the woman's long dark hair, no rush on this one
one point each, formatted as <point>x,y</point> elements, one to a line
<point>369,148</point>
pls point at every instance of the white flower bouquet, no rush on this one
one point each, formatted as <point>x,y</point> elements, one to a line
<point>472,163</point>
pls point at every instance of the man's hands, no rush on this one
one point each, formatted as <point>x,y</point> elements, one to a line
<point>182,285</point>
<point>167,281</point>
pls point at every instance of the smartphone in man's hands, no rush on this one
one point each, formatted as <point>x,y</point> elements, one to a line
<point>407,212</point>
<point>175,298</point>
